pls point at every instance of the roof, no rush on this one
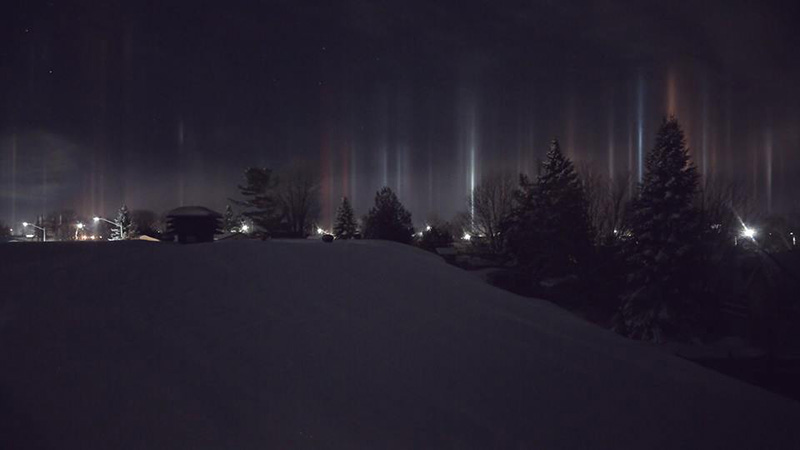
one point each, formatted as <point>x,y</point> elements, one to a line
<point>193,211</point>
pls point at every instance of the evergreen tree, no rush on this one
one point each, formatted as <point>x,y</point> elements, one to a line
<point>5,231</point>
<point>388,219</point>
<point>229,222</point>
<point>345,226</point>
<point>124,229</point>
<point>550,227</point>
<point>663,250</point>
<point>260,198</point>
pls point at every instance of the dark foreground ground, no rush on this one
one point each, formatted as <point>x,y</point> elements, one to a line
<point>284,344</point>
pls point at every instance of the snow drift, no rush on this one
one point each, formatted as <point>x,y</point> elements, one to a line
<point>283,344</point>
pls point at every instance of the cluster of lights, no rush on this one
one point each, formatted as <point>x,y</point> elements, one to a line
<point>422,233</point>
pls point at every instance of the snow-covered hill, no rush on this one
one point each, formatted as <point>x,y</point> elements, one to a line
<point>300,344</point>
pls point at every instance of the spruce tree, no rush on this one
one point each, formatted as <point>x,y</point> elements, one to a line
<point>229,222</point>
<point>345,226</point>
<point>662,252</point>
<point>550,227</point>
<point>388,219</point>
<point>260,198</point>
<point>124,226</point>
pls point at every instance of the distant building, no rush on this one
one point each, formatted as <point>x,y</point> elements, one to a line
<point>192,224</point>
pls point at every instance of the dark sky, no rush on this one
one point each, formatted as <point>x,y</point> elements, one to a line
<point>163,103</point>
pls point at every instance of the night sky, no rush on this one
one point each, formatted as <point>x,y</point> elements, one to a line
<point>164,103</point>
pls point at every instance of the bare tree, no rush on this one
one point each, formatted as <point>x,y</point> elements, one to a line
<point>726,205</point>
<point>298,196</point>
<point>619,192</point>
<point>595,191</point>
<point>607,200</point>
<point>492,203</point>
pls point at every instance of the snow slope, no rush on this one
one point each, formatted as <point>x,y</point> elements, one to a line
<point>300,344</point>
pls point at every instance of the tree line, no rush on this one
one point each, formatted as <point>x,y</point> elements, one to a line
<point>652,249</point>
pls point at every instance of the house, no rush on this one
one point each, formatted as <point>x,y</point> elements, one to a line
<point>193,224</point>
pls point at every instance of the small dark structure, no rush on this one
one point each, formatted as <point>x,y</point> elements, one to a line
<point>192,224</point>
<point>328,238</point>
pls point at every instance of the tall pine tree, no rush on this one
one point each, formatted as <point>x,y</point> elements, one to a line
<point>124,225</point>
<point>229,222</point>
<point>662,252</point>
<point>550,228</point>
<point>388,219</point>
<point>345,226</point>
<point>261,199</point>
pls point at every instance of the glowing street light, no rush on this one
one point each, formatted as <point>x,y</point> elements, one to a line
<point>244,228</point>
<point>97,219</point>
<point>466,237</point>
<point>78,227</point>
<point>44,231</point>
<point>427,228</point>
<point>748,232</point>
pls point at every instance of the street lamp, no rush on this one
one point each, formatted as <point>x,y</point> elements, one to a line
<point>748,232</point>
<point>78,227</point>
<point>117,224</point>
<point>44,231</point>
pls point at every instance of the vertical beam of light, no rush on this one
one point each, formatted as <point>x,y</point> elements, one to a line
<point>754,155</point>
<point>430,180</point>
<point>326,180</point>
<point>640,125</point>
<point>353,174</point>
<point>520,144</point>
<point>630,133</point>
<point>526,144</point>
<point>44,185</point>
<point>571,126</point>
<point>729,132</point>
<point>471,145</point>
<point>408,179</point>
<point>611,139</point>
<point>385,165</point>
<point>704,132</point>
<point>398,168</point>
<point>672,93</point>
<point>768,166</point>
<point>93,185</point>
<point>346,170</point>
<point>14,179</point>
<point>181,157</point>
<point>382,122</point>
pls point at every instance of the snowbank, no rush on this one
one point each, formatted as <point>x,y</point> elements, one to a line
<point>355,344</point>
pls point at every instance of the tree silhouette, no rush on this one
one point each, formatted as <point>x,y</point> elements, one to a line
<point>388,219</point>
<point>345,226</point>
<point>663,249</point>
